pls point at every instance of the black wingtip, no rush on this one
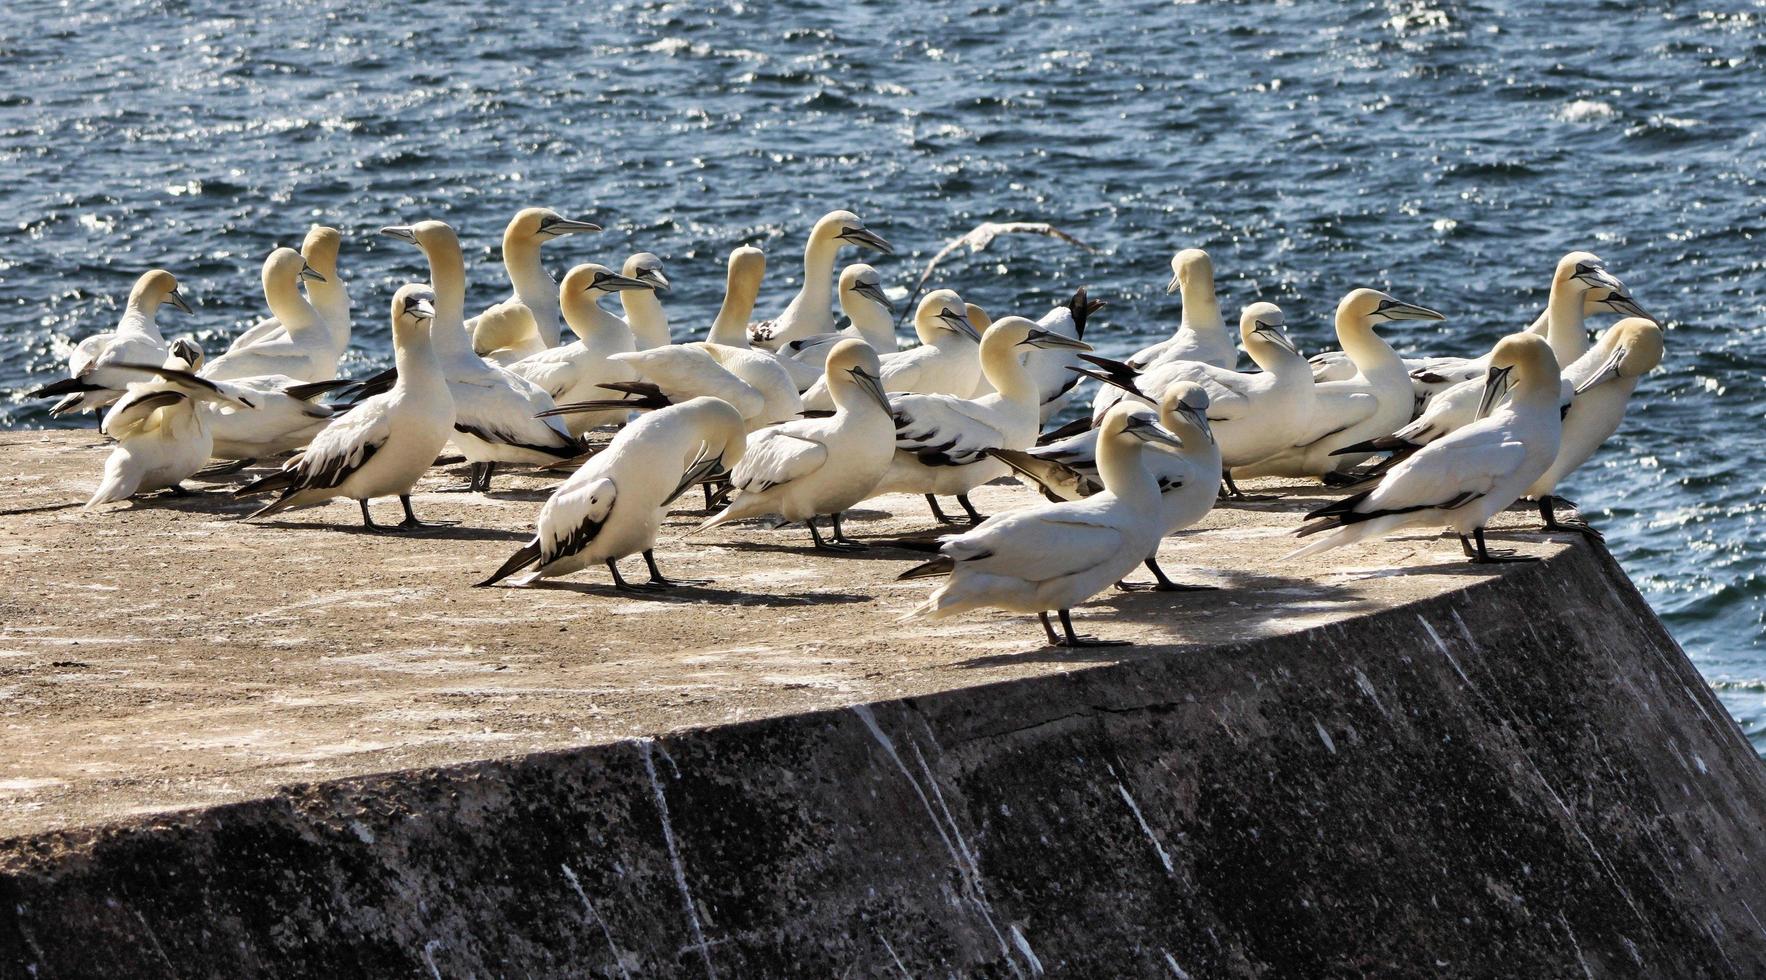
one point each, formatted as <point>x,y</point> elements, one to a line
<point>66,386</point>
<point>525,556</point>
<point>942,565</point>
<point>1384,444</point>
<point>1082,309</point>
<point>1073,428</point>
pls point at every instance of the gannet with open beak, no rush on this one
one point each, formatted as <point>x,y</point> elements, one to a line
<point>306,352</point>
<point>576,371</point>
<point>872,317</point>
<point>1189,481</point>
<point>947,361</point>
<point>1055,556</point>
<point>1377,402</point>
<point>1252,415</point>
<point>1464,479</point>
<point>643,309</point>
<point>612,507</point>
<point>90,383</point>
<point>382,446</point>
<point>810,311</point>
<point>533,285</point>
<point>327,294</point>
<point>819,466</point>
<point>942,441</point>
<point>162,434</point>
<point>1604,379</point>
<point>497,415</point>
<point>1201,333</point>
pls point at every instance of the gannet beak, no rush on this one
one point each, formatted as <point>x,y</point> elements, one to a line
<point>1197,417</point>
<point>874,292</point>
<point>568,226</point>
<point>1623,303</point>
<point>655,278</point>
<point>872,385</point>
<point>1152,434</point>
<point>1392,309</point>
<point>960,323</point>
<point>1607,372</point>
<point>1053,341</point>
<point>310,274</point>
<point>404,233</point>
<point>1495,386</point>
<point>613,282</point>
<point>866,238</point>
<point>1595,275</point>
<point>1174,285</point>
<point>421,309</point>
<point>1274,335</point>
<point>178,302</point>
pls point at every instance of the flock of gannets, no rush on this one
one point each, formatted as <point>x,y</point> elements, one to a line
<point>800,418</point>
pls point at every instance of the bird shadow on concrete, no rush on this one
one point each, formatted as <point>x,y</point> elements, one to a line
<point>442,532</point>
<point>875,550</point>
<point>42,509</point>
<point>705,594</point>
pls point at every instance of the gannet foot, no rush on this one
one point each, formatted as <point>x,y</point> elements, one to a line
<point>1230,491</point>
<point>619,582</point>
<point>1484,556</point>
<point>1549,516</point>
<point>1161,583</point>
<point>839,537</point>
<point>975,516</point>
<point>658,581</point>
<point>1070,638</point>
<point>937,513</point>
<point>177,490</point>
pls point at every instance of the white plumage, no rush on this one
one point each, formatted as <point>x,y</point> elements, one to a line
<point>305,351</point>
<point>533,288</point>
<point>946,362</point>
<point>161,430</point>
<point>327,294</point>
<point>90,383</point>
<point>810,311</point>
<point>576,371</point>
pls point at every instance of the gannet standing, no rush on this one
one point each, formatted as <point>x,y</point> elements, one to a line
<point>496,413</point>
<point>306,351</point>
<point>161,432</point>
<point>1201,332</point>
<point>1461,481</point>
<point>872,318</point>
<point>1055,556</point>
<point>810,311</point>
<point>1189,482</point>
<point>613,506</point>
<point>382,446</point>
<point>534,288</point>
<point>942,441</point>
<point>1378,401</point>
<point>136,340</point>
<point>729,331</point>
<point>576,371</point>
<point>643,309</point>
<point>1604,379</point>
<point>819,466</point>
<point>946,362</point>
<point>327,294</point>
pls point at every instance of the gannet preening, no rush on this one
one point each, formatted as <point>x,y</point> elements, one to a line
<point>1378,401</point>
<point>1464,479</point>
<point>534,288</point>
<point>1201,333</point>
<point>1604,379</point>
<point>643,310</point>
<point>1189,481</point>
<point>1254,415</point>
<point>1055,556</point>
<point>161,431</point>
<point>613,506</point>
<point>872,318</point>
<point>497,415</point>
<point>90,383</point>
<point>810,311</point>
<point>305,351</point>
<point>729,331</point>
<point>382,446</point>
<point>576,371</point>
<point>819,466</point>
<point>327,294</point>
<point>942,441</point>
<point>946,362</point>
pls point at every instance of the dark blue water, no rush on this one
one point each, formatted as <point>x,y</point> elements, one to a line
<point>1446,151</point>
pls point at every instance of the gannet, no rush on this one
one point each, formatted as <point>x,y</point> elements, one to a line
<point>1378,401</point>
<point>819,466</point>
<point>284,416</point>
<point>1464,479</point>
<point>663,376</point>
<point>872,318</point>
<point>382,446</point>
<point>1054,556</point>
<point>162,434</point>
<point>327,294</point>
<point>1254,415</point>
<point>1189,482</point>
<point>506,334</point>
<point>946,362</point>
<point>90,383</point>
<point>496,413</point>
<point>643,310</point>
<point>576,371</point>
<point>1051,368</point>
<point>613,506</point>
<point>810,311</point>
<point>533,285</point>
<point>1201,332</point>
<point>942,441</point>
<point>306,351</point>
<point>747,267</point>
<point>1604,379</point>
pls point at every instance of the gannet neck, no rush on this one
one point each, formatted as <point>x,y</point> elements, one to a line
<point>534,286</point>
<point>145,297</point>
<point>329,298</point>
<point>1201,307</point>
<point>817,292</point>
<point>413,309</point>
<point>282,293</point>
<point>645,316</point>
<point>1122,468</point>
<point>747,268</point>
<point>587,318</point>
<point>447,277</point>
<point>853,372</point>
<point>871,320</point>
<point>1370,353</point>
<point>1565,319</point>
<point>1001,365</point>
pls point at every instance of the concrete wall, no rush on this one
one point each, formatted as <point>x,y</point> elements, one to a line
<point>1523,779</point>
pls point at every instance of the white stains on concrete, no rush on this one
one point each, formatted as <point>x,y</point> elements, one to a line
<point>1442,646</point>
<point>429,949</point>
<point>1023,945</point>
<point>898,964</point>
<point>1171,963</point>
<point>594,916</point>
<point>674,856</point>
<point>1325,737</point>
<point>1367,688</point>
<point>1576,946</point>
<point>1134,808</point>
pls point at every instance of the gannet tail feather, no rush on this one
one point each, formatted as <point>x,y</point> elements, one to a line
<point>527,555</point>
<point>1073,428</point>
<point>1082,308</point>
<point>942,565</point>
<point>66,386</point>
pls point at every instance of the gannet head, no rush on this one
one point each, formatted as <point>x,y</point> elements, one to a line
<point>286,269</point>
<point>1585,268</point>
<point>184,354</point>
<point>1635,348</point>
<point>597,281</point>
<point>1261,324</point>
<point>1368,307</point>
<point>1519,359</point>
<point>852,366</point>
<point>979,318</point>
<point>646,268</point>
<point>861,281</point>
<point>1187,266</point>
<point>320,249</point>
<point>943,309</point>
<point>426,235</point>
<point>1607,299</point>
<point>157,286</point>
<point>413,307</point>
<point>1129,423</point>
<point>540,225</point>
<point>1017,331</point>
<point>1185,403</point>
<point>844,227</point>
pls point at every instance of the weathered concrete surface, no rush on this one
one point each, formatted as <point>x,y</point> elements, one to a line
<point>1330,770</point>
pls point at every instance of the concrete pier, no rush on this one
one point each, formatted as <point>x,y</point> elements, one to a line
<point>288,748</point>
